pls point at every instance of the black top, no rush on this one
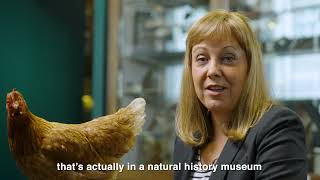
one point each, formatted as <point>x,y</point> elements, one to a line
<point>277,143</point>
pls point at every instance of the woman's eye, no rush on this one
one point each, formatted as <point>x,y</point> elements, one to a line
<point>228,59</point>
<point>201,59</point>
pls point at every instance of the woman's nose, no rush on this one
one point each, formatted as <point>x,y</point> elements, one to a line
<point>214,69</point>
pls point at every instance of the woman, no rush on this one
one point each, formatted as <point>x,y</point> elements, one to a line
<point>225,116</point>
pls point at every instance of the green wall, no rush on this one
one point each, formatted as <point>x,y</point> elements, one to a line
<point>42,55</point>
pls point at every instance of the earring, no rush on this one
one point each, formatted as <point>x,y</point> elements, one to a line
<point>208,113</point>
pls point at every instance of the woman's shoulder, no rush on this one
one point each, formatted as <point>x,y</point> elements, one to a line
<point>278,118</point>
<point>278,141</point>
<point>278,114</point>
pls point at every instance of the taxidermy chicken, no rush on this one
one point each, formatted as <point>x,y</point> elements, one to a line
<point>38,145</point>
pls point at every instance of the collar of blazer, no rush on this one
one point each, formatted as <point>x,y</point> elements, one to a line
<point>227,156</point>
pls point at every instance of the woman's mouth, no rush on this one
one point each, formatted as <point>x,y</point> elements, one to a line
<point>216,90</point>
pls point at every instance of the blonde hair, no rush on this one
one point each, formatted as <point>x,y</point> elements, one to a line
<point>192,122</point>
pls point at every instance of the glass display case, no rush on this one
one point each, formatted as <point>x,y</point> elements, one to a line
<point>152,43</point>
<point>151,46</point>
<point>289,31</point>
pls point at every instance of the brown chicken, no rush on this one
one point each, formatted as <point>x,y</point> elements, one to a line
<point>39,145</point>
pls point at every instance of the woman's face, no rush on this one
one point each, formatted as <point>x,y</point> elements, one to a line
<point>219,72</point>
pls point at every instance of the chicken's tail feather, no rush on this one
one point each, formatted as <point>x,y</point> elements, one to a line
<point>137,109</point>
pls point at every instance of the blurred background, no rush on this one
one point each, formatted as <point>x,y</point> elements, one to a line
<point>79,59</point>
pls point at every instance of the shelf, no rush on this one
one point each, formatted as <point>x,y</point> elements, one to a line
<point>286,46</point>
<point>158,58</point>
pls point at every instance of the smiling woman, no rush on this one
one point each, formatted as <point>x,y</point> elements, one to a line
<point>219,71</point>
<point>225,114</point>
<point>222,47</point>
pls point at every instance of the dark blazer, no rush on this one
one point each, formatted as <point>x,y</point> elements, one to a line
<point>277,142</point>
